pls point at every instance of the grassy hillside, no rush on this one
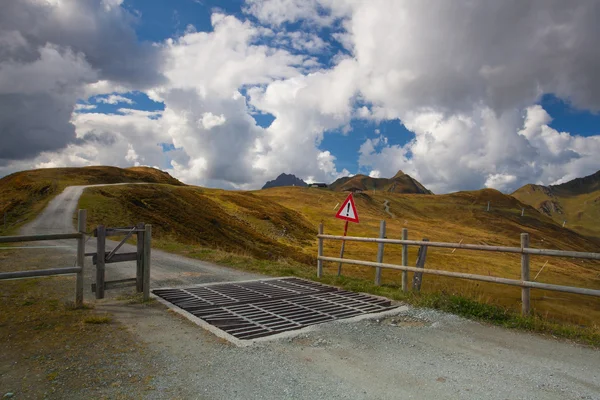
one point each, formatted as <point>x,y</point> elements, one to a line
<point>280,224</point>
<point>400,183</point>
<point>24,194</point>
<point>577,202</point>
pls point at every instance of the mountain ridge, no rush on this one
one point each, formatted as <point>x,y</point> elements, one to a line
<point>399,183</point>
<point>285,180</point>
<point>575,203</point>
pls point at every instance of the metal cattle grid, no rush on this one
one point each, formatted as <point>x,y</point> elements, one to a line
<point>255,309</point>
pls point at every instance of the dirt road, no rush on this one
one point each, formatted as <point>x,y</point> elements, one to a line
<point>418,354</point>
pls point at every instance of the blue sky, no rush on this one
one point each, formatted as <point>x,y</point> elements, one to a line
<point>232,93</point>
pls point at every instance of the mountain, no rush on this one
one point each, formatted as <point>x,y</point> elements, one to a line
<point>577,202</point>
<point>285,180</point>
<point>399,183</point>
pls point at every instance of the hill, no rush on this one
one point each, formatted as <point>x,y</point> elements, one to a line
<point>25,193</point>
<point>576,203</point>
<point>273,231</point>
<point>400,183</point>
<point>285,180</point>
<point>277,228</point>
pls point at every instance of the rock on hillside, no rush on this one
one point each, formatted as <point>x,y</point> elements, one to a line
<point>399,183</point>
<point>285,180</point>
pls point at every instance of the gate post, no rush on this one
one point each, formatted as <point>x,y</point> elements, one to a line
<point>81,224</point>
<point>147,249</point>
<point>139,273</point>
<point>100,254</point>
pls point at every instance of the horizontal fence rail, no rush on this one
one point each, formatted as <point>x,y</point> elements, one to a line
<point>38,238</point>
<point>40,272</point>
<point>500,249</point>
<point>505,281</point>
<point>525,251</point>
<point>77,269</point>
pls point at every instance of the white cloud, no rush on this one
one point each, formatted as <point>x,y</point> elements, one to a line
<point>114,99</point>
<point>466,89</point>
<point>86,107</point>
<point>209,120</point>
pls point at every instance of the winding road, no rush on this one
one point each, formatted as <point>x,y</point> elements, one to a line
<point>419,353</point>
<point>167,269</point>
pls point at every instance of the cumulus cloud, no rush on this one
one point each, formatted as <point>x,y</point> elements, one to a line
<point>467,89</point>
<point>49,52</point>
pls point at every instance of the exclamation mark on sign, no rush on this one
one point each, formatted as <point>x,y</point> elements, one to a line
<point>348,210</point>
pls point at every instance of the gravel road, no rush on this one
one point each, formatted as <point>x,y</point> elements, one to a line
<point>417,353</point>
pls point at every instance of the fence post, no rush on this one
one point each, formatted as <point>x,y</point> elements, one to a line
<point>147,254</point>
<point>418,276</point>
<point>404,260</point>
<point>380,253</point>
<point>81,226</point>
<point>139,272</point>
<point>320,253</point>
<point>525,291</point>
<point>100,254</point>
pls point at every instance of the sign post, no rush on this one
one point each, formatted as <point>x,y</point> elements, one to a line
<point>348,213</point>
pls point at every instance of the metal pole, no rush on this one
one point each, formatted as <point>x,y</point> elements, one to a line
<point>320,262</point>
<point>342,250</point>
<point>81,225</point>
<point>380,253</point>
<point>522,211</point>
<point>139,273</point>
<point>404,260</point>
<point>147,255</point>
<point>100,254</point>
<point>525,291</point>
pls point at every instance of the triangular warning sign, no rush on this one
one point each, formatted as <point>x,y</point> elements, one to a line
<point>348,210</point>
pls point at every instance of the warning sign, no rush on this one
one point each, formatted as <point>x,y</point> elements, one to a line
<point>347,211</point>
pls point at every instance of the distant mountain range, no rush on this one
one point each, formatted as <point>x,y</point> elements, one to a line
<point>399,183</point>
<point>285,180</point>
<point>577,202</point>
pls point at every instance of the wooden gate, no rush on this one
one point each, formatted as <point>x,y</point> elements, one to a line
<point>102,257</point>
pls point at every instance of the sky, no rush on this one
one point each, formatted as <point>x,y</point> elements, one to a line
<point>461,94</point>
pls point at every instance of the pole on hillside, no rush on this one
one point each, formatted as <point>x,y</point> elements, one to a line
<point>81,223</point>
<point>342,250</point>
<point>380,253</point>
<point>525,291</point>
<point>522,211</point>
<point>404,260</point>
<point>488,207</point>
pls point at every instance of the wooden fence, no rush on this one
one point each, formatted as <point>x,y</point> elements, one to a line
<point>78,269</point>
<point>524,250</point>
